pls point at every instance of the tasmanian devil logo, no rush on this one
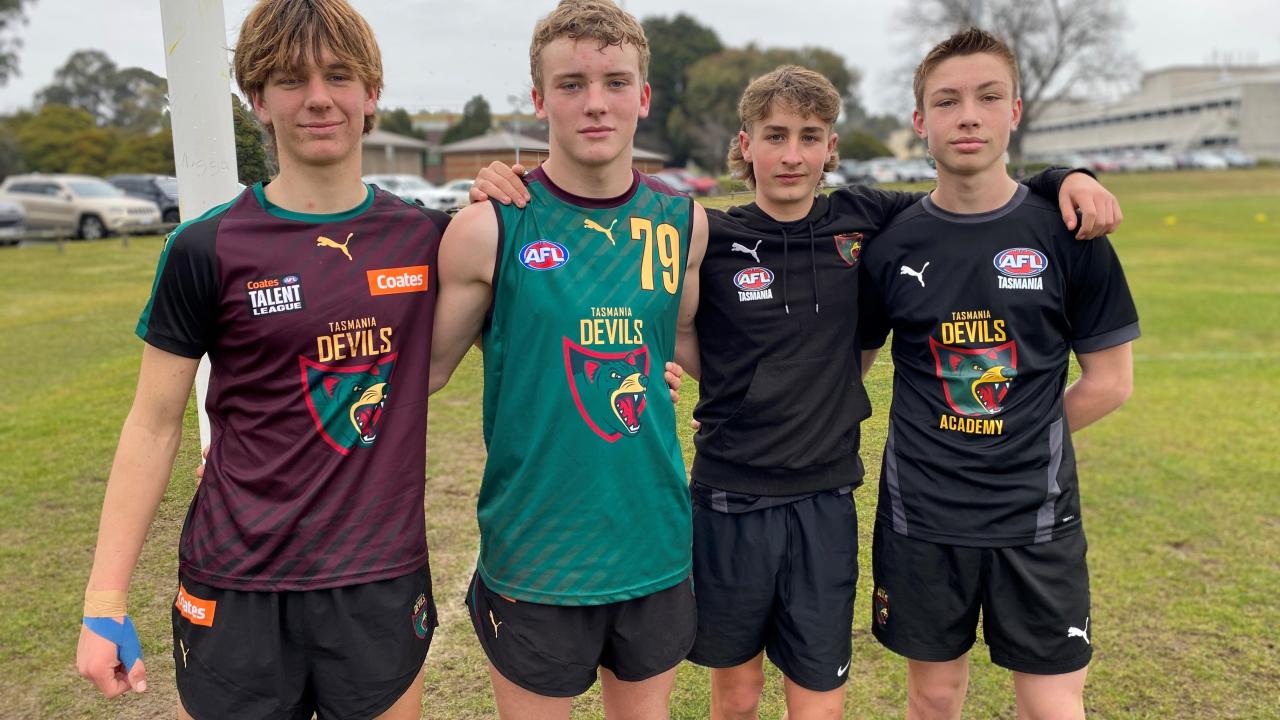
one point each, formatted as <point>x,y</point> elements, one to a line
<point>975,380</point>
<point>346,403</point>
<point>608,388</point>
<point>849,247</point>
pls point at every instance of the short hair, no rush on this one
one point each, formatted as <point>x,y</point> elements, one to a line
<point>966,42</point>
<point>290,34</point>
<point>598,20</point>
<point>800,90</point>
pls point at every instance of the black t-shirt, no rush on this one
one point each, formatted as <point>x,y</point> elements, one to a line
<point>318,329</point>
<point>985,310</point>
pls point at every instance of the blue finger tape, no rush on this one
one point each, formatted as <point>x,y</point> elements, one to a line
<point>125,637</point>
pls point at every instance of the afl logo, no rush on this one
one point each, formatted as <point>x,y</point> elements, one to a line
<point>543,255</point>
<point>1021,262</point>
<point>753,278</point>
<point>289,279</point>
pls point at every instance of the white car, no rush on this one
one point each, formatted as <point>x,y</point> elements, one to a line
<point>416,189</point>
<point>13,220</point>
<point>462,188</point>
<point>87,206</point>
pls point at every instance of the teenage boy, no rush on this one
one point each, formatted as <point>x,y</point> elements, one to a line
<point>314,297</point>
<point>583,512</point>
<point>775,530</point>
<point>987,297</point>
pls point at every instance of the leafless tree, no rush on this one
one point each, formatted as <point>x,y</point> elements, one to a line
<point>1065,48</point>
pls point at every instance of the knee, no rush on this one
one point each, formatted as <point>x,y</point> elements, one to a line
<point>738,696</point>
<point>938,699</point>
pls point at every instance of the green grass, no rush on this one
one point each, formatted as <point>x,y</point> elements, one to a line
<point>1179,486</point>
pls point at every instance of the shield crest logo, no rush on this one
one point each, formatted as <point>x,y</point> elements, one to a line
<point>849,247</point>
<point>347,403</point>
<point>608,388</point>
<point>975,381</point>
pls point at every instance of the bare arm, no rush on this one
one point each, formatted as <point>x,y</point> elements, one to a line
<point>687,354</point>
<point>468,253</point>
<point>141,470</point>
<point>868,359</point>
<point>1105,383</point>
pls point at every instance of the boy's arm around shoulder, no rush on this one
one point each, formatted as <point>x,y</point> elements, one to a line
<point>687,350</point>
<point>468,256</point>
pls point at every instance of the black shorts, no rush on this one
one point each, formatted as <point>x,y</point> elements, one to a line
<point>1034,601</point>
<point>781,579</point>
<point>555,650</point>
<point>347,652</point>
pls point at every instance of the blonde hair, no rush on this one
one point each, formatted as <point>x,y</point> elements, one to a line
<point>966,42</point>
<point>289,35</point>
<point>800,90</point>
<point>598,20</point>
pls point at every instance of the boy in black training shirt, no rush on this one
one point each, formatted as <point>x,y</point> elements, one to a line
<point>987,295</point>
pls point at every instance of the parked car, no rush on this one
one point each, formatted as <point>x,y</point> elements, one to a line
<point>1201,160</point>
<point>701,184</point>
<point>884,170</point>
<point>13,220</point>
<point>462,188</point>
<point>833,179</point>
<point>916,171</point>
<point>159,189</point>
<point>416,189</point>
<point>674,181</point>
<point>855,173</point>
<point>87,206</point>
<point>1237,159</point>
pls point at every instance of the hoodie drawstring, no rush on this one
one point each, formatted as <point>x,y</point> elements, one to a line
<point>786,270</point>
<point>813,270</point>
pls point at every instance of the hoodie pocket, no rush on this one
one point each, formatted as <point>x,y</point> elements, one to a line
<point>797,413</point>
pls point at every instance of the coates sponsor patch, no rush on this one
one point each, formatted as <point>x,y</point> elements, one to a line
<point>753,278</point>
<point>1021,262</point>
<point>393,281</point>
<point>199,612</point>
<point>544,255</point>
<point>274,295</point>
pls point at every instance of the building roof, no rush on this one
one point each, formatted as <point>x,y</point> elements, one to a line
<point>382,138</point>
<point>500,140</point>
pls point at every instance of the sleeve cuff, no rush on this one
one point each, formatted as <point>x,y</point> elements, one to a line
<point>1110,339</point>
<point>169,345</point>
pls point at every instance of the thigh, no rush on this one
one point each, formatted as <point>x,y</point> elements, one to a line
<point>517,703</point>
<point>926,601</point>
<point>366,643</point>
<point>811,640</point>
<point>551,651</point>
<point>736,560</point>
<point>648,699</point>
<point>1059,697</point>
<point>1036,607</point>
<point>233,657</point>
<point>650,635</point>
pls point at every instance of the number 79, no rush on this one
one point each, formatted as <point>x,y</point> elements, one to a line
<point>668,253</point>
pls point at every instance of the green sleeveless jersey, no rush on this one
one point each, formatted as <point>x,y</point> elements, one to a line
<point>584,499</point>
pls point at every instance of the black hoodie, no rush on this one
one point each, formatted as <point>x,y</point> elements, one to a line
<point>781,388</point>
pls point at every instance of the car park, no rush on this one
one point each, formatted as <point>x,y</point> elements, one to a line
<point>701,184</point>
<point>416,189</point>
<point>1237,159</point>
<point>159,189</point>
<point>80,205</point>
<point>674,181</point>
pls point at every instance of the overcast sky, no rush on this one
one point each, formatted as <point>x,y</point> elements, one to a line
<point>439,53</point>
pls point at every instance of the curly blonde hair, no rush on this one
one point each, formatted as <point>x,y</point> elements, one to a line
<point>290,35</point>
<point>598,20</point>
<point>800,90</point>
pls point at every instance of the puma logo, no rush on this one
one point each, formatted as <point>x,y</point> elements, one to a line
<point>182,646</point>
<point>1082,634</point>
<point>919,275</point>
<point>323,241</point>
<point>593,225</point>
<point>739,247</point>
<point>495,622</point>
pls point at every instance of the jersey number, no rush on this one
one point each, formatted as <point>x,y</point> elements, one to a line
<point>668,241</point>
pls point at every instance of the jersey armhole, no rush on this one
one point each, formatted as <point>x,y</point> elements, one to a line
<point>497,267</point>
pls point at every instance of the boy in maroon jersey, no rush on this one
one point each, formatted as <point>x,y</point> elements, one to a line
<point>314,297</point>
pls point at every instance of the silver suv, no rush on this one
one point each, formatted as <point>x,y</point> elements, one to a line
<point>87,206</point>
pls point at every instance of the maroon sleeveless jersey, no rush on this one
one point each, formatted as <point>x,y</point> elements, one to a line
<point>318,328</point>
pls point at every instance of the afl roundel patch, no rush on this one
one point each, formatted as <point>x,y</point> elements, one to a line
<point>544,255</point>
<point>1021,262</point>
<point>753,278</point>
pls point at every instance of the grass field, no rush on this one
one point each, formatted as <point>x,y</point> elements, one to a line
<point>1181,487</point>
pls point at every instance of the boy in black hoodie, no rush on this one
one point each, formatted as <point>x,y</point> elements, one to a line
<point>776,353</point>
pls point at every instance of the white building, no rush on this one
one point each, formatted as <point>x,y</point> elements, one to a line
<point>1177,109</point>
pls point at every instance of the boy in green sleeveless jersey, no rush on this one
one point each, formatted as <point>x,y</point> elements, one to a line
<point>583,511</point>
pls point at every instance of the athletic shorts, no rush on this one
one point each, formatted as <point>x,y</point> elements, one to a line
<point>780,579</point>
<point>555,650</point>
<point>1033,599</point>
<point>347,652</point>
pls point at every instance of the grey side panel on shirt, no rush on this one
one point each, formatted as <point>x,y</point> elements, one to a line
<point>891,481</point>
<point>1045,517</point>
